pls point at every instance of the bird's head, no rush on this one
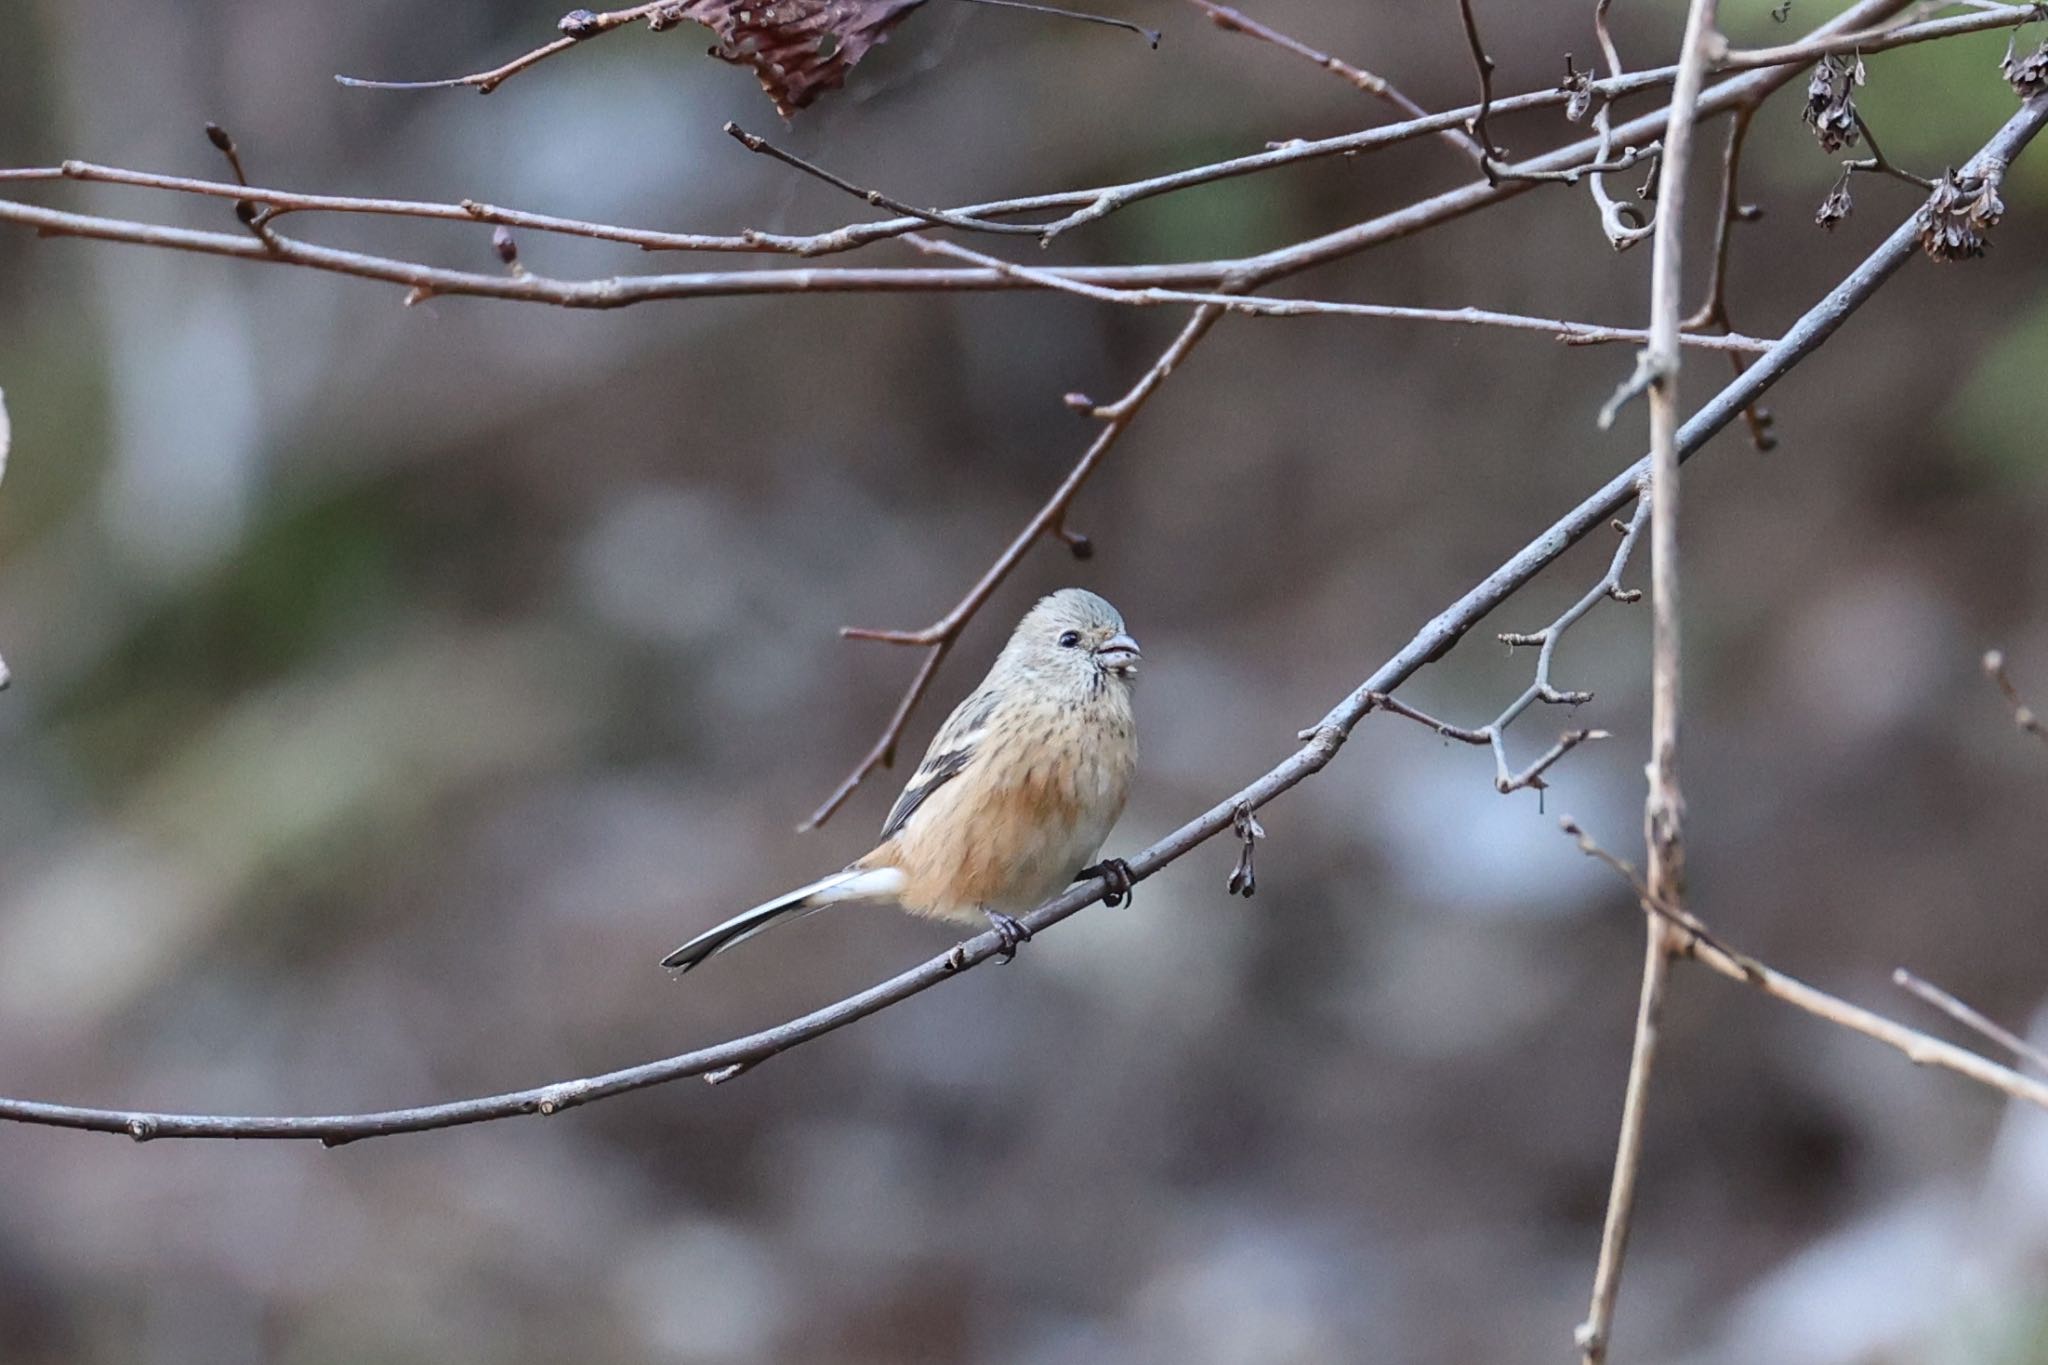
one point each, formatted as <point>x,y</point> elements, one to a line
<point>1073,637</point>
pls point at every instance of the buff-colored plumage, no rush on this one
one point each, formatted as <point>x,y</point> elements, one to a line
<point>1016,794</point>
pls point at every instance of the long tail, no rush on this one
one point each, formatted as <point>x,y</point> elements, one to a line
<point>854,884</point>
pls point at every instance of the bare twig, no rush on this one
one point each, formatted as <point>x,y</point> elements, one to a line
<point>1572,333</point>
<point>1320,745</point>
<point>586,26</point>
<point>1543,689</point>
<point>935,217</point>
<point>1624,222</point>
<point>1714,312</point>
<point>1663,809</point>
<point>1236,21</point>
<point>2022,714</point>
<point>1488,153</point>
<point>1970,1018</point>
<point>1878,163</point>
<point>1919,1048</point>
<point>1150,35</point>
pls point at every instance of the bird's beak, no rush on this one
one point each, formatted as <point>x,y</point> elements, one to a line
<point>1119,653</point>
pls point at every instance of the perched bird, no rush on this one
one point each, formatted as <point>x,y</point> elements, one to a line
<point>1014,797</point>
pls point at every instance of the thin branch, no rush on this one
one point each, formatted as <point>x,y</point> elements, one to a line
<point>1236,21</point>
<point>1543,688</point>
<point>940,636</point>
<point>2022,714</point>
<point>1322,741</point>
<point>1970,1018</point>
<point>1484,65</point>
<point>1150,35</point>
<point>1921,1049</point>
<point>1878,163</point>
<point>586,26</point>
<point>1624,222</point>
<point>1664,806</point>
<point>1571,333</point>
<point>934,217</point>
<point>1714,312</point>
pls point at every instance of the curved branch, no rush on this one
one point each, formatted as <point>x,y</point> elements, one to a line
<point>586,26</point>
<point>1321,744</point>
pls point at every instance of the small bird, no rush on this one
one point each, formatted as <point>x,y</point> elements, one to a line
<point>1013,799</point>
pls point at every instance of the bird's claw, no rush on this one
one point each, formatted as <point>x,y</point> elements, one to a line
<point>1118,874</point>
<point>1010,931</point>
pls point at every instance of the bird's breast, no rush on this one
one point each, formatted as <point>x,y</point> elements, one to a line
<point>1033,809</point>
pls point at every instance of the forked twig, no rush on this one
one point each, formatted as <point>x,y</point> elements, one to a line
<point>1542,688</point>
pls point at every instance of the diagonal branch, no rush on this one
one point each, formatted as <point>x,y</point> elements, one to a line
<point>578,26</point>
<point>1971,1018</point>
<point>1714,312</point>
<point>1236,21</point>
<point>1434,640</point>
<point>1919,1048</point>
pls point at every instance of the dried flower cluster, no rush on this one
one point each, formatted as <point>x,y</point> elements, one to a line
<point>1953,223</point>
<point>1838,205</point>
<point>1830,111</point>
<point>2027,75</point>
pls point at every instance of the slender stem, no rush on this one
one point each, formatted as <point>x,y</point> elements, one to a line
<point>1592,1335</point>
<point>1663,809</point>
<point>1573,333</point>
<point>1236,21</point>
<point>1971,1018</point>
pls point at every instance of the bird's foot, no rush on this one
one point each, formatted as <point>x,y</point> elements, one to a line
<point>1118,874</point>
<point>1011,931</point>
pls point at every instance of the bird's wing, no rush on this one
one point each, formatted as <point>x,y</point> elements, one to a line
<point>952,749</point>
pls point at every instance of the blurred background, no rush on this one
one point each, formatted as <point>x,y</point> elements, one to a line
<point>394,686</point>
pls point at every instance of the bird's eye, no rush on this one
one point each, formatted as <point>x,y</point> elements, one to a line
<point>1070,638</point>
